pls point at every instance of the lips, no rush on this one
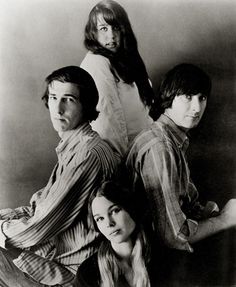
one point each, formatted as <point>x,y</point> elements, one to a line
<point>115,232</point>
<point>193,116</point>
<point>59,119</point>
<point>111,45</point>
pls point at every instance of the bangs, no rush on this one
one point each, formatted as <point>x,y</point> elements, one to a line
<point>193,86</point>
<point>109,16</point>
<point>119,195</point>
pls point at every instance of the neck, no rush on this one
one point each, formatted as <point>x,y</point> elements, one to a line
<point>64,135</point>
<point>183,129</point>
<point>123,250</point>
<point>61,134</point>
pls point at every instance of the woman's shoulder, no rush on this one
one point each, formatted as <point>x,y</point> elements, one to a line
<point>88,273</point>
<point>97,66</point>
<point>94,59</point>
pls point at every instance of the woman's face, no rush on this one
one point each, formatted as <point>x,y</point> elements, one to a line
<point>112,220</point>
<point>108,36</point>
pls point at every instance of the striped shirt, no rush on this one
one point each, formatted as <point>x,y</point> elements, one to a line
<point>157,163</point>
<point>53,232</point>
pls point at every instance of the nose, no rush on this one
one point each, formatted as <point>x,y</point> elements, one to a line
<point>59,107</point>
<point>196,105</point>
<point>111,33</point>
<point>110,222</point>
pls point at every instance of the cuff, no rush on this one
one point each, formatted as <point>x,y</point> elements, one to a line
<point>187,230</point>
<point>3,236</point>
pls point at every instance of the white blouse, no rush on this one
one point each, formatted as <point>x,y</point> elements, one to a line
<point>122,113</point>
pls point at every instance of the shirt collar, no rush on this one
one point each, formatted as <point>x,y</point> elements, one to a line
<point>180,135</point>
<point>68,138</point>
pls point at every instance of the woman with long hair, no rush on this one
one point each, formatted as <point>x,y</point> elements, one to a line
<point>113,60</point>
<point>123,257</point>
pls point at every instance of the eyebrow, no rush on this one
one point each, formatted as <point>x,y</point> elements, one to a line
<point>71,95</point>
<point>102,24</point>
<point>66,95</point>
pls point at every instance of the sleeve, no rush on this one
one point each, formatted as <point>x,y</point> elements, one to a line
<point>46,272</point>
<point>159,171</point>
<point>20,212</point>
<point>110,123</point>
<point>10,275</point>
<point>194,209</point>
<point>9,213</point>
<point>60,206</point>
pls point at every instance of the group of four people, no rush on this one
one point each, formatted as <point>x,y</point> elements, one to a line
<point>56,240</point>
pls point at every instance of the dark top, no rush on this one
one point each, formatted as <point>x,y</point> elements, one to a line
<point>88,274</point>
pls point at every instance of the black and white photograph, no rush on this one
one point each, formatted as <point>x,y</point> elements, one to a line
<point>117,143</point>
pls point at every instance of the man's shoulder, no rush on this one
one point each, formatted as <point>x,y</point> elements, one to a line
<point>90,140</point>
<point>156,133</point>
<point>92,144</point>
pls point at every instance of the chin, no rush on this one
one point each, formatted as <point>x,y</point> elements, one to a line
<point>60,130</point>
<point>117,241</point>
<point>189,126</point>
<point>193,126</point>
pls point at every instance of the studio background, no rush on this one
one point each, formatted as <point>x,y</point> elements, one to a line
<point>39,36</point>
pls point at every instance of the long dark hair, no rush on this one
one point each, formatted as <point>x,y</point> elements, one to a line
<point>108,262</point>
<point>126,62</point>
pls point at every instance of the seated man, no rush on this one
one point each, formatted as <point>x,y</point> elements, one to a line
<point>157,164</point>
<point>49,239</point>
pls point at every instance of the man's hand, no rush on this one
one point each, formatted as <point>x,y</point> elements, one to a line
<point>226,219</point>
<point>228,213</point>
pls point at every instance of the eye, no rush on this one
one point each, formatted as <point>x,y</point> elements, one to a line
<point>103,29</point>
<point>185,98</point>
<point>99,219</point>
<point>116,28</point>
<point>203,98</point>
<point>116,210</point>
<point>52,97</point>
<point>188,97</point>
<point>69,100</point>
